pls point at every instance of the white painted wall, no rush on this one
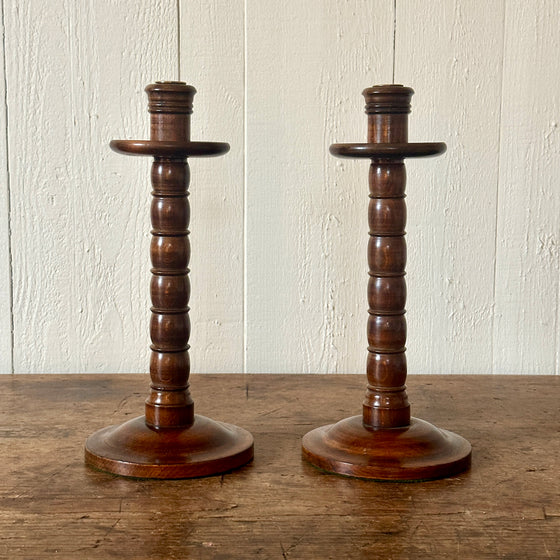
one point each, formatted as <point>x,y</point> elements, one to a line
<point>279,227</point>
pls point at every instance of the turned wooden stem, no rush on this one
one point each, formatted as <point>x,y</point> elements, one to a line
<point>386,402</point>
<point>169,404</point>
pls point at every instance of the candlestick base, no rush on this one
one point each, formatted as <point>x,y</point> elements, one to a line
<point>136,450</point>
<point>416,452</point>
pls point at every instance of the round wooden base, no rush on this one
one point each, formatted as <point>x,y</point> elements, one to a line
<point>416,452</point>
<point>134,449</point>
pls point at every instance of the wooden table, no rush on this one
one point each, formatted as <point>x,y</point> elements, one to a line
<point>52,506</point>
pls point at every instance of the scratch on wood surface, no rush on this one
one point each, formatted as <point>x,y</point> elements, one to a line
<point>57,472</point>
<point>286,551</point>
<point>123,402</point>
<point>99,542</point>
<point>109,531</point>
<point>267,413</point>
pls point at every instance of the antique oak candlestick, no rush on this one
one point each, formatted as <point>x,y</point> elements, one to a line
<point>170,441</point>
<point>385,443</point>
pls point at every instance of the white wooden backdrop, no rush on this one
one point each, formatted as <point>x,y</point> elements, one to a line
<point>279,227</point>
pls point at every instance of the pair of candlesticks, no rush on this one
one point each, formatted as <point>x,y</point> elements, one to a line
<point>170,441</point>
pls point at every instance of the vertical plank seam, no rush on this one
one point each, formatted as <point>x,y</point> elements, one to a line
<point>394,37</point>
<point>8,193</point>
<point>178,6</point>
<point>245,187</point>
<point>497,198</point>
<point>74,67</point>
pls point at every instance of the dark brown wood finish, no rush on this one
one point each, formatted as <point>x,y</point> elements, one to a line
<point>385,443</point>
<point>170,441</point>
<point>278,506</point>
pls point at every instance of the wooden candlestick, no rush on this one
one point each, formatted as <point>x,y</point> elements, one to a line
<point>170,441</point>
<point>385,443</point>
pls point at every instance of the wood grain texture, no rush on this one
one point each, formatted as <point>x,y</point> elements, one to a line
<point>213,59</point>
<point>51,505</point>
<point>80,216</point>
<point>526,327</point>
<point>5,264</point>
<point>453,61</point>
<point>306,278</point>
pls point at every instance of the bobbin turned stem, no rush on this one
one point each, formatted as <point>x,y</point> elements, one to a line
<point>169,404</point>
<point>386,403</point>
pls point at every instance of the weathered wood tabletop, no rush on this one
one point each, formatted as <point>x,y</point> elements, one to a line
<point>507,506</point>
